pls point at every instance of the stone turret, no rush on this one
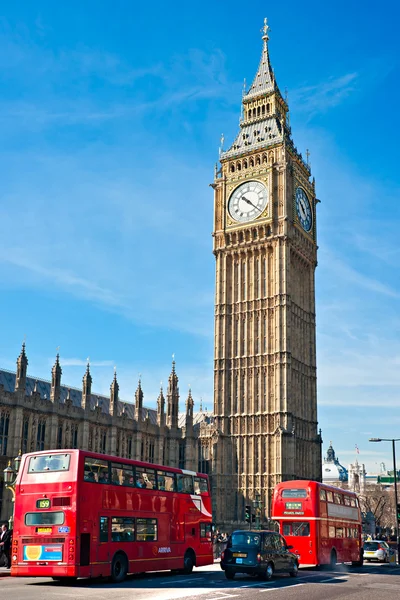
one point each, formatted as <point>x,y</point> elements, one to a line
<point>86,388</point>
<point>161,408</point>
<point>189,413</point>
<point>22,367</point>
<point>56,380</point>
<point>138,402</point>
<point>172,398</point>
<point>114,389</point>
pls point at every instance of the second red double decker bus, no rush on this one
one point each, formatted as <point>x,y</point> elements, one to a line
<point>322,523</point>
<point>81,514</point>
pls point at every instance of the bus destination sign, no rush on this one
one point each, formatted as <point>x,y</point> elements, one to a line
<point>294,506</point>
<point>43,503</point>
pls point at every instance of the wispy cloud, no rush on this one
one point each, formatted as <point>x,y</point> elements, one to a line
<point>78,362</point>
<point>322,96</point>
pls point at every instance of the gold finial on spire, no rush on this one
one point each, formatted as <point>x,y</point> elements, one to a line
<point>265,31</point>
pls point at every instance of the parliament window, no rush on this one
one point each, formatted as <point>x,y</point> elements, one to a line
<point>4,426</point>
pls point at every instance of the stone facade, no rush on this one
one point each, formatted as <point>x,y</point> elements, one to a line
<point>264,426</point>
<point>265,399</point>
<point>42,415</point>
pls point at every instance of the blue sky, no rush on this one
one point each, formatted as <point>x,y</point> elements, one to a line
<point>110,119</point>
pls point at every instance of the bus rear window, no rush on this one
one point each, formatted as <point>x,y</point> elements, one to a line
<point>294,493</point>
<point>44,463</point>
<point>200,485</point>
<point>44,518</point>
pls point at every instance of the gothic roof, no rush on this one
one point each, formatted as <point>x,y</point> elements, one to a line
<point>43,388</point>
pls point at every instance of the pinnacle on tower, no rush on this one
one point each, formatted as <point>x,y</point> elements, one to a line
<point>86,388</point>
<point>56,380</point>
<point>114,390</point>
<point>161,408</point>
<point>139,401</point>
<point>172,397</point>
<point>22,367</point>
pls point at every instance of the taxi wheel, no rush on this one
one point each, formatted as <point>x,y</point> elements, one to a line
<point>269,571</point>
<point>295,570</point>
<point>229,574</point>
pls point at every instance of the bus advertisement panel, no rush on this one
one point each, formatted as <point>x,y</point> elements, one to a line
<point>321,522</point>
<point>82,514</point>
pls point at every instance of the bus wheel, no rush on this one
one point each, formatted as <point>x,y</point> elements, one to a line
<point>119,568</point>
<point>188,562</point>
<point>333,559</point>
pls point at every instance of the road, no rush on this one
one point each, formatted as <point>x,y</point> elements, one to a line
<point>208,583</point>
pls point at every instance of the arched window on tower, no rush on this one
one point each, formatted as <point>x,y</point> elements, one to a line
<point>232,168</point>
<point>263,109</point>
<point>268,107</point>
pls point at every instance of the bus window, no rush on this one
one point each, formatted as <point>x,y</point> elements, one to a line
<point>331,531</point>
<point>44,518</point>
<point>122,474</point>
<point>322,495</point>
<point>205,530</point>
<point>146,478</point>
<point>49,462</point>
<point>200,485</point>
<point>99,469</point>
<point>339,532</point>
<point>297,528</point>
<point>166,481</point>
<point>185,484</point>
<point>122,529</point>
<point>329,496</point>
<point>294,493</point>
<point>338,498</point>
<point>352,502</point>
<point>346,500</point>
<point>146,530</point>
<point>103,529</point>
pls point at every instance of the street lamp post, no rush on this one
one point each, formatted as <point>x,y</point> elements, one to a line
<point>10,477</point>
<point>393,440</point>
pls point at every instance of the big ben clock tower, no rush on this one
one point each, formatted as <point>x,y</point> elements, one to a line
<point>265,401</point>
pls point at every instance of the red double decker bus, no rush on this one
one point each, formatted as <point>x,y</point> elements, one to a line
<point>321,522</point>
<point>81,514</point>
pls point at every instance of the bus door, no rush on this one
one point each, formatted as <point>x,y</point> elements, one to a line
<point>85,543</point>
<point>102,544</point>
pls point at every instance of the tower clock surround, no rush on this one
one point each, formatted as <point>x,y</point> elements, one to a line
<point>265,399</point>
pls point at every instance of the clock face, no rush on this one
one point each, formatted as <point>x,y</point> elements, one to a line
<point>303,209</point>
<point>248,201</point>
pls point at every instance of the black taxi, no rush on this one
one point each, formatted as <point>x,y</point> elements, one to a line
<point>261,553</point>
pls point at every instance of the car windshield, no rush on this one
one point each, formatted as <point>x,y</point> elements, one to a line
<point>242,538</point>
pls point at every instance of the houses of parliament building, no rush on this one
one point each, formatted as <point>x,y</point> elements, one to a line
<point>263,428</point>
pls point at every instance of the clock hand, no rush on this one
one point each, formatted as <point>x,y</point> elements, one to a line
<point>251,203</point>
